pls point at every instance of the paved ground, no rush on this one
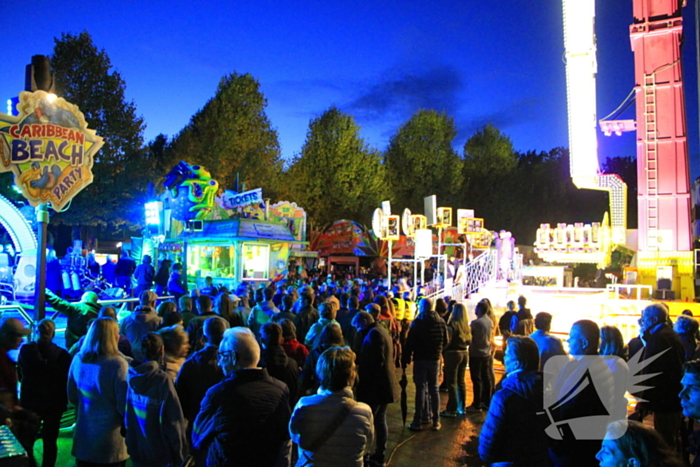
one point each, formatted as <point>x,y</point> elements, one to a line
<point>454,445</point>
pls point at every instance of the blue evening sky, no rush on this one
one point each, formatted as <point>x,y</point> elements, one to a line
<point>380,60</point>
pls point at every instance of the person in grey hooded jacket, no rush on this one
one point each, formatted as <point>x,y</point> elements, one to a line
<point>140,322</point>
<point>155,424</point>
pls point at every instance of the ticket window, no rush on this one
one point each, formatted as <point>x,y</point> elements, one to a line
<point>214,261</point>
<point>256,261</point>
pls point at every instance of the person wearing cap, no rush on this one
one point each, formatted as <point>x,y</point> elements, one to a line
<point>140,322</point>
<point>79,314</point>
<point>12,333</point>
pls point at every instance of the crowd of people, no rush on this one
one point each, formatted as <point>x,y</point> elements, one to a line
<point>281,376</point>
<point>574,405</point>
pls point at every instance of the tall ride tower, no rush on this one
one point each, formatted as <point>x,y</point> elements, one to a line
<point>665,237</point>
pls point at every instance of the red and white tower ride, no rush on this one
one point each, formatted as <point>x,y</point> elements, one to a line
<point>665,238</point>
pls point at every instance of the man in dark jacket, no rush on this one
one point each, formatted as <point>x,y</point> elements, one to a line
<point>377,385</point>
<point>519,323</point>
<point>662,393</point>
<point>199,373</point>
<point>44,373</point>
<point>275,360</point>
<point>194,328</point>
<point>124,270</point>
<point>690,402</point>
<point>307,315</point>
<point>244,419</point>
<point>145,274</point>
<point>515,406</point>
<point>426,339</point>
<point>79,314</point>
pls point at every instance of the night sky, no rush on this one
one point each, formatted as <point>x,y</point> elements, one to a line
<point>479,61</point>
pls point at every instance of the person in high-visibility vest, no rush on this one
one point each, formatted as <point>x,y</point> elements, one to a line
<point>409,307</point>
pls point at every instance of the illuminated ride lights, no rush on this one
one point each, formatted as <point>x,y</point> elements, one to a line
<point>584,243</point>
<point>577,243</point>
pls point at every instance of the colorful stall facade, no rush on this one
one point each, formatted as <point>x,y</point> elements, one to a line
<point>229,236</point>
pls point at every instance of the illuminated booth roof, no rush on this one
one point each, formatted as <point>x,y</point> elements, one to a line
<point>241,230</point>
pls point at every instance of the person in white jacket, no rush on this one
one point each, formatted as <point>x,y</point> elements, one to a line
<point>330,427</point>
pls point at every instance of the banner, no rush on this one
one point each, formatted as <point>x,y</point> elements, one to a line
<point>233,200</point>
<point>48,148</point>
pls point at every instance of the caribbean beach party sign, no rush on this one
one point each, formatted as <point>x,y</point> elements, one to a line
<point>49,149</point>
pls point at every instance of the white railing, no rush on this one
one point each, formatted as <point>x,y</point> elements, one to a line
<point>479,271</point>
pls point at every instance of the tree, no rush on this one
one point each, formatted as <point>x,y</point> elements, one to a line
<point>542,192</point>
<point>84,77</point>
<point>159,158</point>
<point>336,176</point>
<point>232,134</point>
<point>489,169</point>
<point>420,161</point>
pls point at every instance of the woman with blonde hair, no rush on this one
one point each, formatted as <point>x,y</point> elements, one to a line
<point>97,387</point>
<point>459,335</point>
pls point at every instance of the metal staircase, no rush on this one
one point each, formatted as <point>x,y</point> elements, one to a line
<point>479,271</point>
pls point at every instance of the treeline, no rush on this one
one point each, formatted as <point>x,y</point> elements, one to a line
<point>335,175</point>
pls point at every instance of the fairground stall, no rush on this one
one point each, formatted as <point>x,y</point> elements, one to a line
<point>229,236</point>
<point>346,248</point>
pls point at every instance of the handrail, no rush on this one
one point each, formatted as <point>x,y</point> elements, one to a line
<point>27,317</point>
<point>20,310</point>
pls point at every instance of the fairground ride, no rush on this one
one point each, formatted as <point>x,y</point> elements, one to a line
<point>664,239</point>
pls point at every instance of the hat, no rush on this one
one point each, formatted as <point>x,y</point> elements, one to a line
<point>13,326</point>
<point>147,297</point>
<point>89,297</point>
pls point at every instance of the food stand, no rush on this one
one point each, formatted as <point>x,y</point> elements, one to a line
<point>235,250</point>
<point>229,236</point>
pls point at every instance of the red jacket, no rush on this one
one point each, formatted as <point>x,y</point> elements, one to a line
<point>296,350</point>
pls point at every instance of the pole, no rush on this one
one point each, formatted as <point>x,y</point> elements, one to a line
<point>184,259</point>
<point>38,76</point>
<point>388,273</point>
<point>441,277</point>
<point>42,217</point>
<point>415,272</point>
